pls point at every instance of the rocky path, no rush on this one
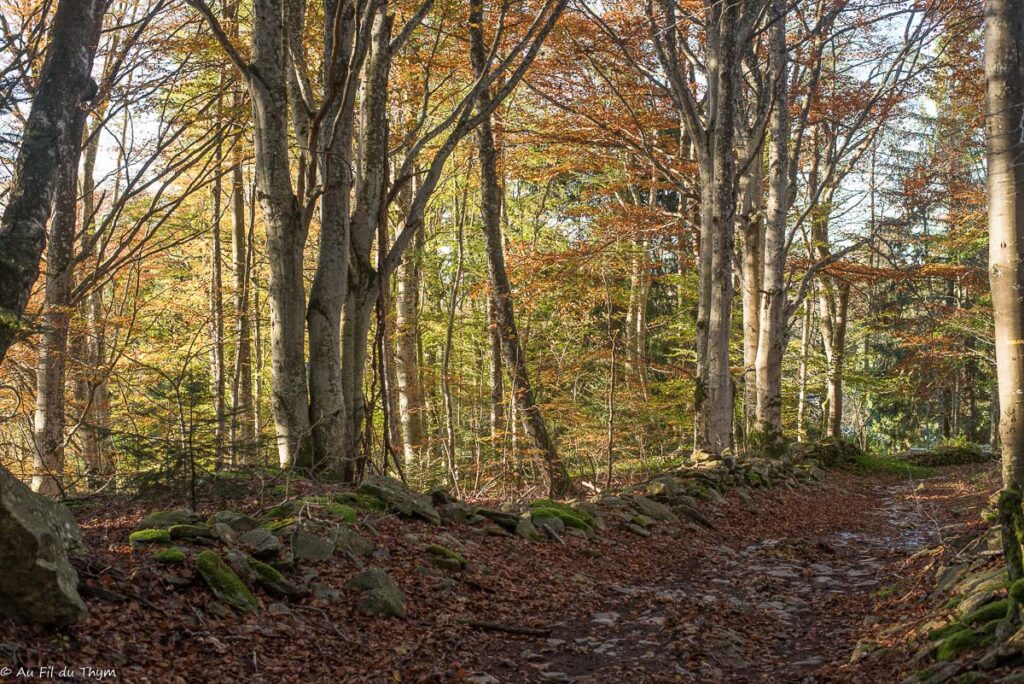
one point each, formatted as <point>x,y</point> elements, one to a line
<point>782,595</point>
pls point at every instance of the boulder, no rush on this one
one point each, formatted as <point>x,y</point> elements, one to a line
<point>527,530</point>
<point>239,522</point>
<point>652,509</point>
<point>163,520</point>
<point>445,558</point>
<point>350,542</point>
<point>400,498</point>
<point>261,542</point>
<point>310,547</point>
<point>37,583</point>
<point>224,583</point>
<point>380,595</point>
<point>190,532</point>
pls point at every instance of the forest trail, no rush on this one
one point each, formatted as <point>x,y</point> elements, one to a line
<point>781,590</point>
<point>792,584</point>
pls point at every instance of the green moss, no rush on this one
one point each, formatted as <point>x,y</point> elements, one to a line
<point>445,558</point>
<point>285,510</point>
<point>343,511</point>
<point>988,612</point>
<point>171,556</point>
<point>189,531</point>
<point>277,525</point>
<point>564,509</point>
<point>869,464</point>
<point>943,632</point>
<point>223,582</point>
<point>151,536</point>
<point>566,515</point>
<point>960,642</point>
<point>360,502</point>
<point>1017,591</point>
<point>972,678</point>
<point>265,572</point>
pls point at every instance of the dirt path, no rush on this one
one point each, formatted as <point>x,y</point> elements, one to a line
<point>782,595</point>
<point>780,591</point>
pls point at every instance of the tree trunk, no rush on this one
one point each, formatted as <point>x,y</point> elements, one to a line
<point>407,368</point>
<point>496,376</point>
<point>751,227</point>
<point>805,351</point>
<point>771,343</point>
<point>286,235</point>
<point>1004,100</point>
<point>217,368</point>
<point>48,461</point>
<point>65,82</point>
<point>834,331</point>
<point>513,353</point>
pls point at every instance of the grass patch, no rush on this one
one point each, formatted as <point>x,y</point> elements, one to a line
<point>869,464</point>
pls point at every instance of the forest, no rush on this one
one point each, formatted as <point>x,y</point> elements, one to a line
<point>512,341</point>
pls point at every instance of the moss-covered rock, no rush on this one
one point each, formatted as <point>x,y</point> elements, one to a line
<point>400,498</point>
<point>568,516</point>
<point>165,519</point>
<point>190,532</point>
<point>948,454</point>
<point>1017,591</point>
<point>342,511</point>
<point>360,502</point>
<point>224,583</point>
<point>940,633</point>
<point>959,643</point>
<point>171,556</point>
<point>150,536</point>
<point>239,522</point>
<point>281,511</point>
<point>272,580</point>
<point>831,452</point>
<point>380,595</point>
<point>310,547</point>
<point>261,542</point>
<point>349,542</point>
<point>995,610</point>
<point>445,558</point>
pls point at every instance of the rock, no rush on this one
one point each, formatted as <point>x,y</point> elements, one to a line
<point>272,580</point>
<point>325,592</point>
<point>592,514</point>
<point>37,535</point>
<point>643,521</point>
<point>974,601</point>
<point>261,542</point>
<point>239,562</point>
<point>171,556</point>
<point>150,536</point>
<point>440,496</point>
<point>278,609</point>
<point>459,512</point>
<point>222,532</point>
<point>607,619</point>
<point>239,522</point>
<point>653,509</point>
<point>400,498</point>
<point>482,678</point>
<point>553,523</point>
<point>310,547</point>
<point>224,583</point>
<point>445,558</point>
<point>343,511</point>
<point>381,596</point>
<point>217,609</point>
<point>504,519</point>
<point>165,519</point>
<point>637,530</point>
<point>350,542</point>
<point>527,530</point>
<point>190,532</point>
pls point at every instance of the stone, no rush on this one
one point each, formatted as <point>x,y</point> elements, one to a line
<point>165,519</point>
<point>974,601</point>
<point>350,542</point>
<point>592,513</point>
<point>653,509</point>
<point>278,609</point>
<point>440,496</point>
<point>37,535</point>
<point>527,530</point>
<point>190,532</point>
<point>150,536</point>
<point>273,581</point>
<point>324,592</point>
<point>310,547</point>
<point>261,542</point>
<point>555,524</point>
<point>445,558</point>
<point>459,512</point>
<point>224,583</point>
<point>343,511</point>
<point>239,562</point>
<point>171,556</point>
<point>637,530</point>
<point>504,519</point>
<point>224,533</point>
<point>400,498</point>
<point>239,522</point>
<point>380,595</point>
